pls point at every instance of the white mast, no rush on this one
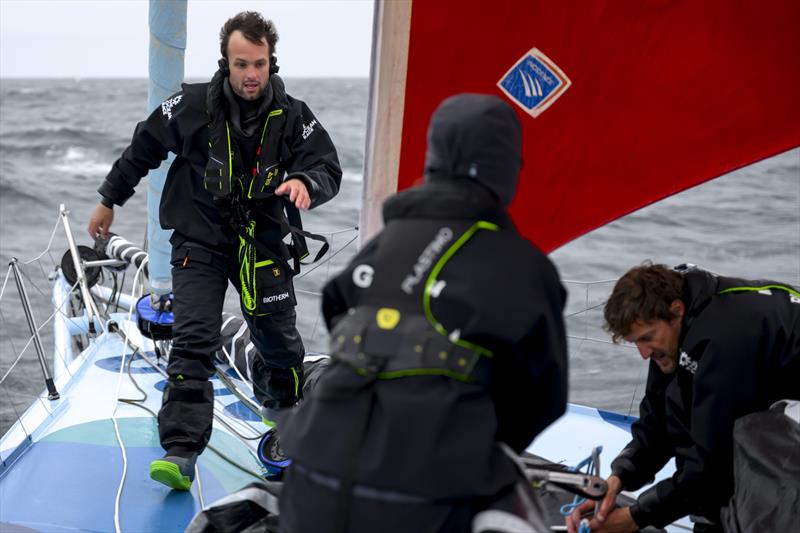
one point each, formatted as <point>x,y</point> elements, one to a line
<point>167,20</point>
<point>390,35</point>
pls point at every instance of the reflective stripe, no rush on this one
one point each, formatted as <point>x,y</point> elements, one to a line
<point>762,288</point>
<point>247,269</point>
<point>230,158</point>
<point>296,383</point>
<point>426,297</point>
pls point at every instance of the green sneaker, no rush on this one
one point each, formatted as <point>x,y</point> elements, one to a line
<point>173,471</point>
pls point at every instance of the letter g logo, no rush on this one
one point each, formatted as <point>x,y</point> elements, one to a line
<point>362,276</point>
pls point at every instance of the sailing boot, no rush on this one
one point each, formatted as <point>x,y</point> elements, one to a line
<point>174,471</point>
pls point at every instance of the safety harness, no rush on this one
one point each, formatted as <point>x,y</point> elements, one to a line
<point>240,198</point>
<point>389,343</point>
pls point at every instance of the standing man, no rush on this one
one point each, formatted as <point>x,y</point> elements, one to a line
<point>448,344</point>
<point>249,157</point>
<point>719,348</point>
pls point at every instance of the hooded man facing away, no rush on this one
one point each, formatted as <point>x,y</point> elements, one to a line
<point>447,339</point>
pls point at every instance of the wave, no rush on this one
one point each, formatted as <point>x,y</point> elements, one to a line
<point>14,193</point>
<point>37,138</point>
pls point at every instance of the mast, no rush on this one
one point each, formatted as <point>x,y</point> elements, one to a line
<point>390,36</point>
<point>167,20</point>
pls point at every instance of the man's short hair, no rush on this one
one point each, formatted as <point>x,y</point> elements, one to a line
<point>645,293</point>
<point>253,26</point>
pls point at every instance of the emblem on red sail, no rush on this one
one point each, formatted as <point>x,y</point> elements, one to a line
<point>534,82</point>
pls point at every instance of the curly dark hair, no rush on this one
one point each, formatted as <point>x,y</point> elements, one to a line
<point>644,293</point>
<point>253,26</point>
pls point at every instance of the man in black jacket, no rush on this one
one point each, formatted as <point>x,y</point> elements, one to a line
<point>719,348</point>
<point>248,158</point>
<point>447,340</point>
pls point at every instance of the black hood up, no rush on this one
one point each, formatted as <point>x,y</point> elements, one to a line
<point>478,137</point>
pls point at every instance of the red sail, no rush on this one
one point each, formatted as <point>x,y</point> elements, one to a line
<point>664,95</point>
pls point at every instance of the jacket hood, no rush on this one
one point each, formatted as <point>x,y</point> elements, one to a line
<point>476,137</point>
<point>447,200</point>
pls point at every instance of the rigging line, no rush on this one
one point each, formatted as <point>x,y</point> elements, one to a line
<point>236,465</point>
<point>593,339</point>
<point>138,403</point>
<point>597,282</point>
<point>317,314</point>
<point>114,415</point>
<point>16,413</point>
<point>5,282</point>
<point>32,282</point>
<point>219,417</point>
<point>635,389</point>
<point>49,243</point>
<point>336,232</point>
<point>334,254</point>
<point>27,344</point>
<point>199,486</point>
<point>232,364</point>
<point>586,317</point>
<point>117,527</point>
<point>209,446</point>
<point>312,293</point>
<point>60,310</point>
<point>576,313</point>
<point>231,355</point>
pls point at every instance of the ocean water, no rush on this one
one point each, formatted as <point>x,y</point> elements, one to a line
<point>58,139</point>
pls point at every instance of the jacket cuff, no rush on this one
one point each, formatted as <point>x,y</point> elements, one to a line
<point>106,190</point>
<point>650,510</point>
<point>106,201</point>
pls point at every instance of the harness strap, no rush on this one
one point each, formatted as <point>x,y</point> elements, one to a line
<point>376,342</point>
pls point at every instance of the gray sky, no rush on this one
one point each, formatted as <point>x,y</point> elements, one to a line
<point>109,38</point>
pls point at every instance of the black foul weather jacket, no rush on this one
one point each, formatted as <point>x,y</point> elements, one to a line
<point>447,337</point>
<point>292,142</point>
<point>739,353</point>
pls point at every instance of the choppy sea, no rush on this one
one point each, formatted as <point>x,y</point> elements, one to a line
<point>58,139</point>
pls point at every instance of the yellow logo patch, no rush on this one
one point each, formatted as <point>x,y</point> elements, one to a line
<point>387,318</point>
<point>276,272</point>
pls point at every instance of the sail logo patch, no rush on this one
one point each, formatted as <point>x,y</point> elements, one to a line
<point>534,82</point>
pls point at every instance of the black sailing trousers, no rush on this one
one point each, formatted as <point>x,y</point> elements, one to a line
<point>200,277</point>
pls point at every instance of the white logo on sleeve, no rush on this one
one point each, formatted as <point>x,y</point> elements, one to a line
<point>688,363</point>
<point>168,104</point>
<point>308,129</point>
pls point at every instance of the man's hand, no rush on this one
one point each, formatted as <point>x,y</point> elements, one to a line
<point>298,194</point>
<point>617,521</point>
<point>100,222</point>
<point>606,505</point>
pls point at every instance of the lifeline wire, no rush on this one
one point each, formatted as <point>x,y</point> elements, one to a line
<point>116,404</point>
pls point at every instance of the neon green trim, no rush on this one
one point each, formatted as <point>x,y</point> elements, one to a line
<point>267,422</point>
<point>264,263</point>
<point>271,114</point>
<point>296,383</point>
<point>247,269</point>
<point>762,288</point>
<point>169,474</point>
<point>230,158</point>
<point>426,297</point>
